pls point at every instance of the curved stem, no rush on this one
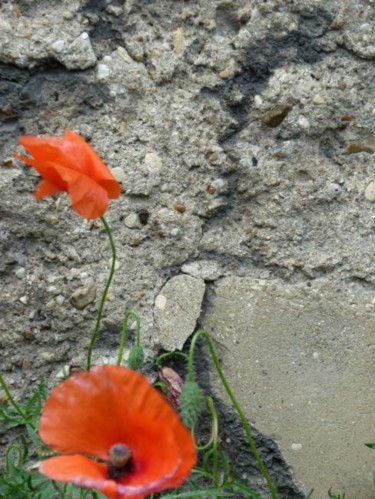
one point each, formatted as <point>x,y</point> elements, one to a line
<point>166,355</point>
<point>215,427</point>
<point>104,295</point>
<point>245,423</point>
<point>124,330</point>
<point>11,399</point>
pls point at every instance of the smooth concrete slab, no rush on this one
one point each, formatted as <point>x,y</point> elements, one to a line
<point>301,361</point>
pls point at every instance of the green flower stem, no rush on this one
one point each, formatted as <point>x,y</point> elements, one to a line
<point>215,430</point>
<point>165,356</point>
<point>104,295</point>
<point>271,486</point>
<point>215,427</point>
<point>124,330</point>
<point>11,399</point>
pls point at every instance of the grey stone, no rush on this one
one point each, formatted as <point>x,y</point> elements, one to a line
<point>177,308</point>
<point>103,72</point>
<point>298,358</point>
<point>132,221</point>
<point>48,36</point>
<point>119,173</point>
<point>370,192</point>
<point>208,270</point>
<point>83,296</point>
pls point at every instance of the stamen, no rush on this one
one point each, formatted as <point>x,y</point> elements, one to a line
<point>119,455</point>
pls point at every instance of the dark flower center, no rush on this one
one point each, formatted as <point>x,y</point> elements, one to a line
<point>120,463</point>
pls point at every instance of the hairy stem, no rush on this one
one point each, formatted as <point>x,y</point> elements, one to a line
<point>104,295</point>
<point>124,330</point>
<point>271,486</point>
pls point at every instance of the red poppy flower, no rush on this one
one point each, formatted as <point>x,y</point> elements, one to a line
<point>70,165</point>
<point>118,434</point>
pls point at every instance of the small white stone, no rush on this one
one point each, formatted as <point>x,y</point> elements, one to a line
<point>24,300</point>
<point>315,355</point>
<point>132,221</point>
<point>107,58</point>
<point>303,122</point>
<point>296,446</point>
<point>153,162</point>
<point>258,101</point>
<point>370,192</point>
<point>103,72</point>
<point>175,231</point>
<point>47,356</point>
<point>68,15</point>
<point>318,99</point>
<point>60,299</point>
<point>58,45</point>
<point>84,35</point>
<point>119,173</point>
<point>52,290</point>
<point>220,185</point>
<point>21,272</point>
<point>160,302</point>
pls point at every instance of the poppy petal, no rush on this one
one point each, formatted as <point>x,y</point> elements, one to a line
<point>91,412</point>
<point>45,189</point>
<point>98,169</point>
<point>83,472</point>
<point>71,165</point>
<point>88,198</point>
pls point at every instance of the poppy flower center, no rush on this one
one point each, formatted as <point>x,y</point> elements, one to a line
<point>120,462</point>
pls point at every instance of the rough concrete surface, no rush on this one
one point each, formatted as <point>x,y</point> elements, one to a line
<point>242,132</point>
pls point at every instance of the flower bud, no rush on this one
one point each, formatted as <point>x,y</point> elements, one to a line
<point>190,403</point>
<point>136,357</point>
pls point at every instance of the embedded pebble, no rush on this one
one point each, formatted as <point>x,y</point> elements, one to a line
<point>58,45</point>
<point>370,192</point>
<point>332,190</point>
<point>119,173</point>
<point>24,300</point>
<point>47,356</point>
<point>153,162</point>
<point>132,221</point>
<point>208,270</point>
<point>115,10</point>
<point>275,116</point>
<point>296,446</point>
<point>258,101</point>
<point>20,273</point>
<point>363,146</point>
<point>60,299</point>
<point>318,99</point>
<point>303,122</point>
<point>83,296</point>
<point>103,71</point>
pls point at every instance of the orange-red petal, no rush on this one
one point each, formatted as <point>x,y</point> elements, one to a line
<point>83,472</point>
<point>88,198</point>
<point>91,412</point>
<point>70,165</point>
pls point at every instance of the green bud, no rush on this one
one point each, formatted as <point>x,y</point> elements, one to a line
<point>136,358</point>
<point>190,403</point>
